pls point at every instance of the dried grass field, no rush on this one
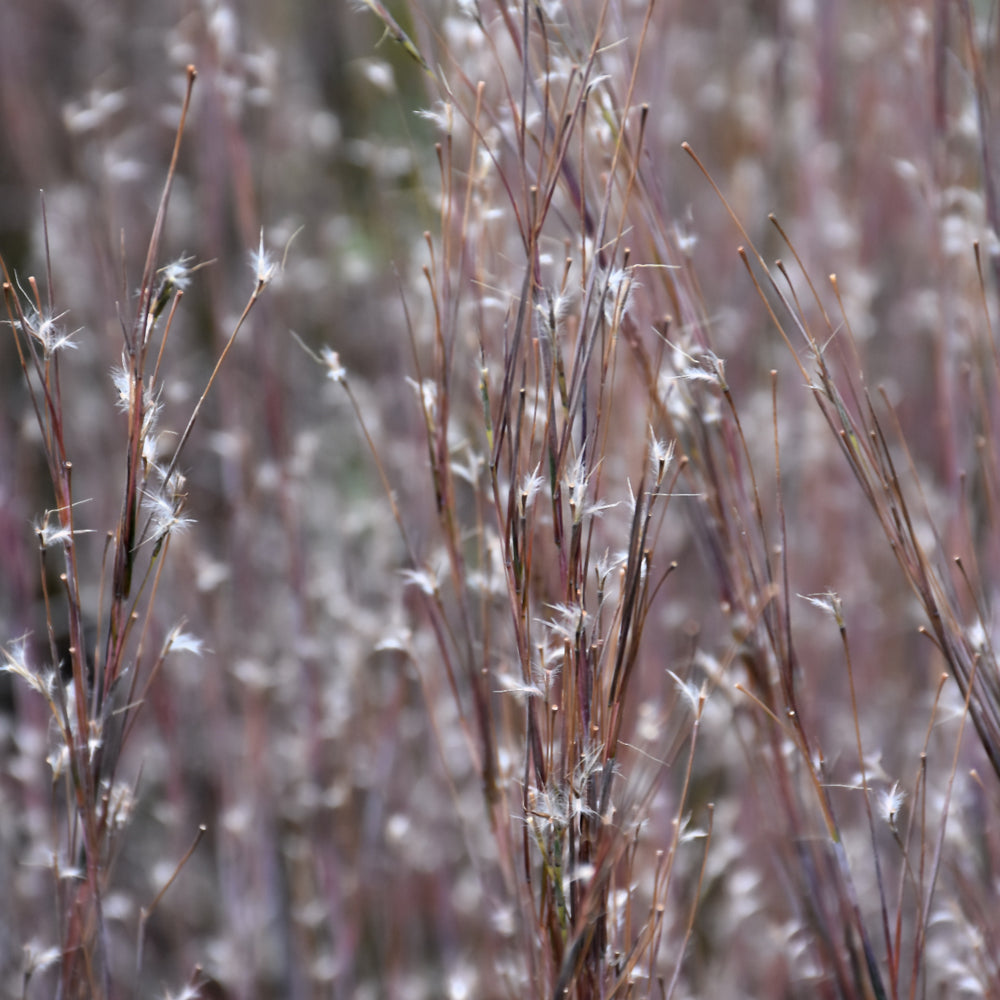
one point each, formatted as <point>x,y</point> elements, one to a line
<point>499,499</point>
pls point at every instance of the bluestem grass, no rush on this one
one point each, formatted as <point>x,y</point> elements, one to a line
<point>94,700</point>
<point>547,398</point>
<point>542,677</point>
<point>570,727</point>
